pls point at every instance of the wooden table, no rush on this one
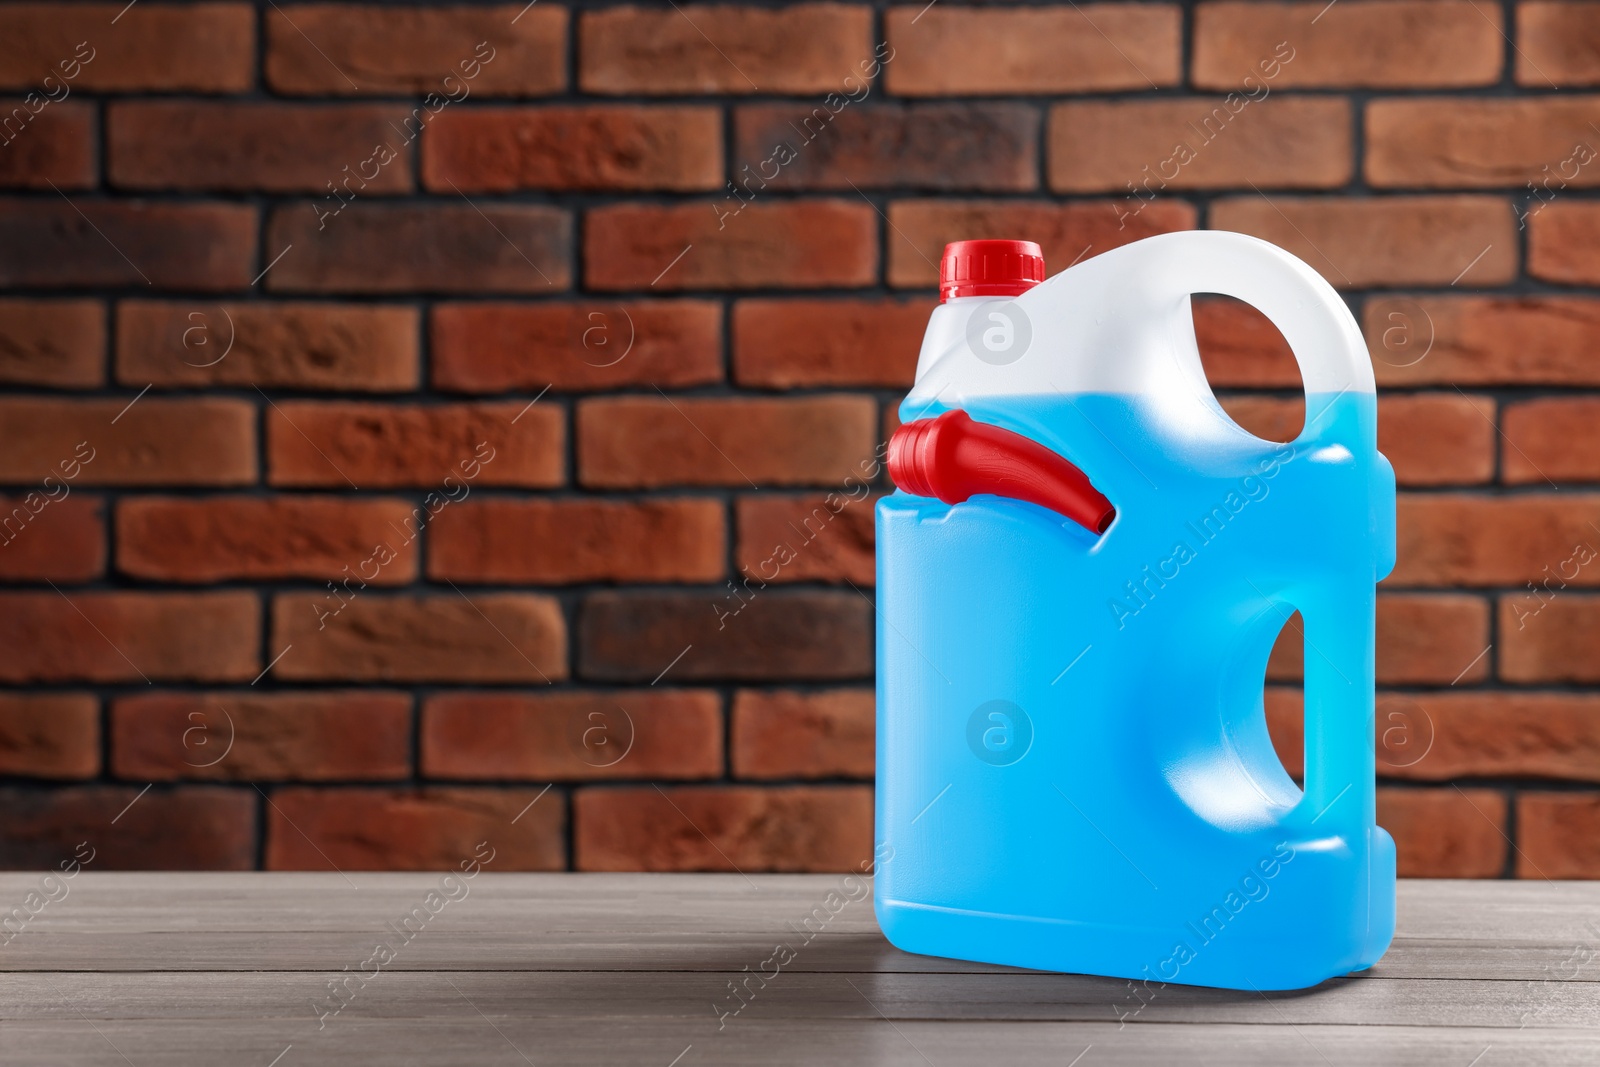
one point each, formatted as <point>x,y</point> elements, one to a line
<point>131,970</point>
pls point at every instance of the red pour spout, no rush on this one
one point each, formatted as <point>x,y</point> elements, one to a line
<point>953,457</point>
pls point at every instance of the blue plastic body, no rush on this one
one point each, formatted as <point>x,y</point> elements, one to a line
<point>1073,770</point>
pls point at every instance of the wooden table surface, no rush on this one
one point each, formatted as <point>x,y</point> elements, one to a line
<point>132,969</point>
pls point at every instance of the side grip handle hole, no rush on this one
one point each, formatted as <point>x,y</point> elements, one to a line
<point>1240,349</point>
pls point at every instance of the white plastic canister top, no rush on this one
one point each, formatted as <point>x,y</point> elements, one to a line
<point>1120,323</point>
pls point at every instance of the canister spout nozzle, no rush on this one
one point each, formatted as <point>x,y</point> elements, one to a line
<point>954,457</point>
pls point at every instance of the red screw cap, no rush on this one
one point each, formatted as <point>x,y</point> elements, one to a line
<point>989,268</point>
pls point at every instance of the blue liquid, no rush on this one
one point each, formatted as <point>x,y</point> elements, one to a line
<point>1074,771</point>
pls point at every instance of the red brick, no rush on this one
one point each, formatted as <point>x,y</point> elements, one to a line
<point>215,539</point>
<point>401,248</point>
<point>1553,439</point>
<point>1471,540</point>
<point>280,148</point>
<point>1453,143</point>
<point>56,343</point>
<point>1421,240</point>
<point>642,442</point>
<point>1357,43</point>
<point>1286,724</point>
<point>562,542</point>
<point>1557,835</point>
<point>90,243</point>
<point>1068,233</point>
<point>354,347</point>
<point>1555,645</point>
<point>388,445</point>
<point>205,47</point>
<point>491,348</point>
<point>435,829</point>
<point>787,734</point>
<point>199,828</point>
<point>1431,438</point>
<point>701,48</point>
<point>1558,43</point>
<point>1270,418</point>
<point>701,828</point>
<point>1446,833</point>
<point>753,634</point>
<point>807,538</point>
<point>382,50</point>
<point>1240,347</point>
<point>1400,335</point>
<point>1564,243</point>
<point>658,733</point>
<point>506,149</point>
<point>732,245</point>
<point>49,735</point>
<point>43,143</point>
<point>1483,340</point>
<point>1438,438</point>
<point>347,635</point>
<point>1199,143</point>
<point>1431,639</point>
<point>964,51</point>
<point>60,539</point>
<point>129,637</point>
<point>781,344</point>
<point>990,147</point>
<point>247,736</point>
<point>1422,639</point>
<point>1440,736</point>
<point>1405,734</point>
<point>208,441</point>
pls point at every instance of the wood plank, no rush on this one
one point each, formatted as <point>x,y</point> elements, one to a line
<point>471,1040</point>
<point>1485,911</point>
<point>510,950</point>
<point>308,921</point>
<point>303,997</point>
<point>1478,910</point>
<point>195,969</point>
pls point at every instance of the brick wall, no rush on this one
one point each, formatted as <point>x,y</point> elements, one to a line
<point>393,393</point>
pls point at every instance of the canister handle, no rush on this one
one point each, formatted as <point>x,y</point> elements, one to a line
<point>1333,360</point>
<point>1314,320</point>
